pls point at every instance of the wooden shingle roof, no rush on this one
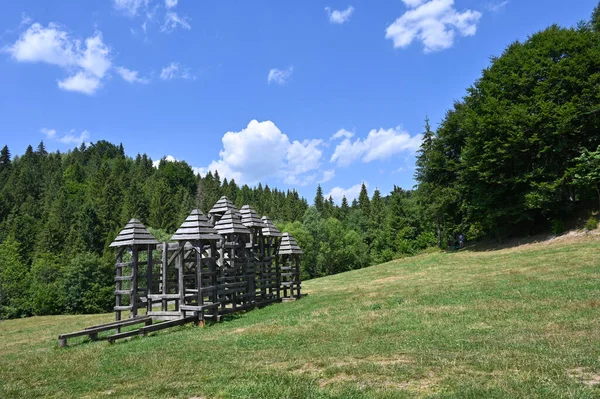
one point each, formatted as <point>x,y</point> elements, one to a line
<point>250,218</point>
<point>270,230</point>
<point>134,233</point>
<point>231,224</point>
<point>289,246</point>
<point>196,227</point>
<point>223,205</point>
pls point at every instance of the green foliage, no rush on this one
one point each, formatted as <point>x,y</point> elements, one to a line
<point>558,227</point>
<point>14,284</point>
<point>506,159</point>
<point>591,224</point>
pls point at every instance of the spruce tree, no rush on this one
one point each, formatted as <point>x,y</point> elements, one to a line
<point>363,200</point>
<point>319,199</point>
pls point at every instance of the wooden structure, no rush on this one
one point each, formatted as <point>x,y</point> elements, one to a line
<point>271,262</point>
<point>134,266</point>
<point>226,262</point>
<point>197,266</point>
<point>290,252</point>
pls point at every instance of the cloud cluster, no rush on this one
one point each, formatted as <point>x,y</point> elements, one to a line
<point>339,17</point>
<point>131,76</point>
<point>261,150</point>
<point>68,138</point>
<point>337,193</point>
<point>378,145</point>
<point>86,62</point>
<point>148,10</point>
<point>279,76</point>
<point>175,71</point>
<point>435,23</point>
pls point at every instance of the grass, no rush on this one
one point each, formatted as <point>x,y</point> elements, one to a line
<point>521,322</point>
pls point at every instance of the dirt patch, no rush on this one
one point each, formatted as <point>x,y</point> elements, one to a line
<point>585,376</point>
<point>379,382</point>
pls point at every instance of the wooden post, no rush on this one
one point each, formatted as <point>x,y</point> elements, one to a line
<point>118,284</point>
<point>134,282</point>
<point>180,264</point>
<point>165,260</point>
<point>149,266</point>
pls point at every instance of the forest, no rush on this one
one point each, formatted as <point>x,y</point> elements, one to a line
<point>519,154</point>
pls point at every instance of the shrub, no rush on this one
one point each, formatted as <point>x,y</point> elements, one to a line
<point>558,227</point>
<point>591,224</point>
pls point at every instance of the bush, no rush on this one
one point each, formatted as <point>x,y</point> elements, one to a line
<point>558,227</point>
<point>591,224</point>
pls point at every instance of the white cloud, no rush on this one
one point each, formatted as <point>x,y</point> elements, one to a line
<point>73,139</point>
<point>173,21</point>
<point>413,3</point>
<point>129,7</point>
<point>279,76</point>
<point>80,82</point>
<point>378,145</point>
<point>130,76</point>
<point>341,133</point>
<point>168,158</point>
<point>170,3</point>
<point>434,23</point>
<point>495,7</point>
<point>49,133</point>
<point>327,175</point>
<point>86,63</point>
<point>174,71</point>
<point>261,150</point>
<point>337,193</point>
<point>68,138</point>
<point>339,17</point>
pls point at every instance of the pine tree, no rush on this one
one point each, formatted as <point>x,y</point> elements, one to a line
<point>344,209</point>
<point>4,158</point>
<point>595,20</point>
<point>363,200</point>
<point>377,209</point>
<point>41,149</point>
<point>319,199</point>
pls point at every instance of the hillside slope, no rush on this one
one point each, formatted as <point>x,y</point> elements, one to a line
<point>521,322</point>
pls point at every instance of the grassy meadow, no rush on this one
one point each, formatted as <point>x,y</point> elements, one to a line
<point>515,322</point>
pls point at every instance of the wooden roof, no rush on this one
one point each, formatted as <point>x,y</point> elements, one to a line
<point>270,230</point>
<point>223,205</point>
<point>231,224</point>
<point>289,246</point>
<point>250,218</point>
<point>134,233</point>
<point>196,227</point>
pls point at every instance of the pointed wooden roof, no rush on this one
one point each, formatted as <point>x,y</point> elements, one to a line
<point>134,233</point>
<point>196,227</point>
<point>223,205</point>
<point>230,224</point>
<point>250,218</point>
<point>270,230</point>
<point>289,246</point>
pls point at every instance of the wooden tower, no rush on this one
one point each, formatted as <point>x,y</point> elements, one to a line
<point>290,252</point>
<point>271,239</point>
<point>255,247</point>
<point>134,263</point>
<point>197,266</point>
<point>234,293</point>
<point>219,209</point>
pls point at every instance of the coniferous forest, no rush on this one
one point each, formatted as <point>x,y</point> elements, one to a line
<point>519,154</point>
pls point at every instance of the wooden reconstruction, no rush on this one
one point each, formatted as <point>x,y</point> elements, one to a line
<point>133,279</point>
<point>290,252</point>
<point>227,261</point>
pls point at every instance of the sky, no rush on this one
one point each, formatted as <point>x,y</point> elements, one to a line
<point>288,93</point>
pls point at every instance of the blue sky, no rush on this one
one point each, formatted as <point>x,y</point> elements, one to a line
<point>290,93</point>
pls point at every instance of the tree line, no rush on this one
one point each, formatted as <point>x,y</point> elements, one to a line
<point>519,154</point>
